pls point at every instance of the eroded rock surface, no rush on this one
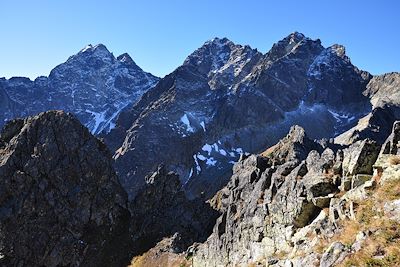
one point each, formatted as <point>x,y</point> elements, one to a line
<point>61,203</point>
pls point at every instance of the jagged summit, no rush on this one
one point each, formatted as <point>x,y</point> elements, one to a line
<point>217,41</point>
<point>292,43</point>
<point>99,51</point>
<point>126,58</point>
<point>93,48</point>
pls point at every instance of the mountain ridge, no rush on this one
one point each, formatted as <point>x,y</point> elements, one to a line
<point>224,93</point>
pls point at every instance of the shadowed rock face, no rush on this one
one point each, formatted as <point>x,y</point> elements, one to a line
<point>6,106</point>
<point>162,210</point>
<point>391,145</point>
<point>225,99</point>
<point>61,202</point>
<point>383,91</point>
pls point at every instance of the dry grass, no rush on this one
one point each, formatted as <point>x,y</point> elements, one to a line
<point>158,256</point>
<point>269,151</point>
<point>382,246</point>
<point>394,160</point>
<point>164,259</point>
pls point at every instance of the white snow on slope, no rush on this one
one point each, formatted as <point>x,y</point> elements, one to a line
<point>186,122</point>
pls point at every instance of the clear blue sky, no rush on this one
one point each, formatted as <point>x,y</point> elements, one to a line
<point>38,35</point>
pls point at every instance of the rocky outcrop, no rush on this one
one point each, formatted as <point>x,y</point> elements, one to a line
<point>93,84</point>
<point>280,207</point>
<point>267,201</point>
<point>61,203</point>
<point>387,167</point>
<point>383,91</point>
<point>360,157</point>
<point>392,144</point>
<point>161,210</point>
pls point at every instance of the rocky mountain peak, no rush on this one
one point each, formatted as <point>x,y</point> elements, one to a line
<point>126,58</point>
<point>339,50</point>
<point>294,146</point>
<point>91,55</point>
<point>216,54</point>
<point>292,43</point>
<point>94,49</point>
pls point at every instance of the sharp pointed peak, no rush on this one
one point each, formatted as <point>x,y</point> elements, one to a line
<point>126,58</point>
<point>218,42</point>
<point>338,49</point>
<point>291,43</point>
<point>295,37</point>
<point>93,48</point>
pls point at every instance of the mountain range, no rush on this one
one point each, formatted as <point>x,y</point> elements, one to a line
<point>183,163</point>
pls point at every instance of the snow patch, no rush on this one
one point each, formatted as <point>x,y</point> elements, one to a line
<point>203,125</point>
<point>207,148</point>
<point>201,157</point>
<point>186,122</point>
<point>198,168</point>
<point>211,161</point>
<point>340,117</point>
<point>222,152</point>
<point>98,119</point>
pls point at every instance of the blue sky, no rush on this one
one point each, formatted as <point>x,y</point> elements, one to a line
<point>38,35</point>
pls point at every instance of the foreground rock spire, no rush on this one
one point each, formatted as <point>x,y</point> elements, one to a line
<point>61,202</point>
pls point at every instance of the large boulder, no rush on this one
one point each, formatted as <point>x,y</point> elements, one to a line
<point>61,203</point>
<point>391,146</point>
<point>360,157</point>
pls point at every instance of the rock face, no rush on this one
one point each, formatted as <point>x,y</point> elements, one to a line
<point>61,203</point>
<point>392,144</point>
<point>93,84</point>
<point>162,210</point>
<point>267,200</point>
<point>280,204</point>
<point>6,106</point>
<point>383,91</point>
<point>225,99</point>
<point>360,157</point>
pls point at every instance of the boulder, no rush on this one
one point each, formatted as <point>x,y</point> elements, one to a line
<point>334,255</point>
<point>360,157</point>
<point>391,145</point>
<point>392,210</point>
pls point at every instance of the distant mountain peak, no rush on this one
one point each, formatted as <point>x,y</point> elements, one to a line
<point>93,48</point>
<point>339,50</point>
<point>126,58</point>
<point>296,36</point>
<point>214,54</point>
<point>219,42</point>
<point>292,43</point>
